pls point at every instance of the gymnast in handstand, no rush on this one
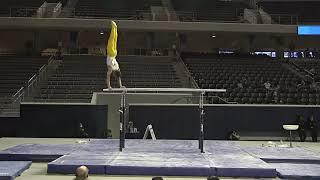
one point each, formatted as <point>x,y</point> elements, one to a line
<point>112,64</point>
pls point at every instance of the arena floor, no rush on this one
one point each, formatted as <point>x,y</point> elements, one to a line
<point>38,171</point>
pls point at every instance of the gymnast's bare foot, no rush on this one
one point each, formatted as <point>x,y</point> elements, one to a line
<point>109,88</point>
<point>114,23</point>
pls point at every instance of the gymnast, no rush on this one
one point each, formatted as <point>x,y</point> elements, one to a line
<point>112,64</point>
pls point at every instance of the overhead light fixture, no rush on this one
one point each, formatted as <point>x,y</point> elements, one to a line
<point>102,33</point>
<point>213,36</point>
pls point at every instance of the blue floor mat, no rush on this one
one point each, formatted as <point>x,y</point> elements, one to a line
<point>11,169</point>
<point>230,160</point>
<point>297,170</point>
<point>37,152</point>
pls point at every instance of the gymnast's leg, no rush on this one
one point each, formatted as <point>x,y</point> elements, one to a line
<point>109,73</point>
<point>118,77</point>
<point>112,41</point>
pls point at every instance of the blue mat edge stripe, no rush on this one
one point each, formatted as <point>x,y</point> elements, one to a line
<point>28,157</point>
<point>299,161</point>
<point>70,169</point>
<point>243,172</point>
<point>161,171</point>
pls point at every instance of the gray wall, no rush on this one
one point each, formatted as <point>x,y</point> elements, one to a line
<point>61,120</point>
<point>113,102</point>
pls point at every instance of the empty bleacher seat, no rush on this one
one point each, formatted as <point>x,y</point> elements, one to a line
<point>244,78</point>
<point>79,76</point>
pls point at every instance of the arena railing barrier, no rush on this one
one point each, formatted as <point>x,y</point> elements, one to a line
<point>26,11</point>
<point>122,51</point>
<point>191,81</point>
<point>284,19</point>
<point>123,106</point>
<point>188,16</point>
<point>40,76</point>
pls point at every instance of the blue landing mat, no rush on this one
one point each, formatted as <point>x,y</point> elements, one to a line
<point>11,169</point>
<point>98,146</point>
<point>37,152</point>
<point>163,164</point>
<point>163,157</point>
<point>236,165</point>
<point>125,163</point>
<point>277,154</point>
<point>297,170</point>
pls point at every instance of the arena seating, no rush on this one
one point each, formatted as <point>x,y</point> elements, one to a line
<point>78,77</point>
<point>119,9</point>
<point>14,74</point>
<point>244,80</point>
<point>155,3</point>
<point>16,71</point>
<point>225,11</point>
<point>25,8</point>
<point>307,11</point>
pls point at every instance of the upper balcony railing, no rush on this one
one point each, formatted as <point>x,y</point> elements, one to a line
<point>184,16</point>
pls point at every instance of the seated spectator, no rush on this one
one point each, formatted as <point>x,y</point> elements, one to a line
<point>157,178</point>
<point>82,173</point>
<point>301,84</point>
<point>302,130</point>
<point>312,70</point>
<point>312,126</point>
<point>233,135</point>
<point>267,85</point>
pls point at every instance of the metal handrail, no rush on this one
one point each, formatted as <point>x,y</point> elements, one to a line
<point>294,19</point>
<point>302,69</point>
<point>20,94</point>
<point>223,100</point>
<point>31,79</point>
<point>43,66</point>
<point>36,77</point>
<point>188,72</point>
